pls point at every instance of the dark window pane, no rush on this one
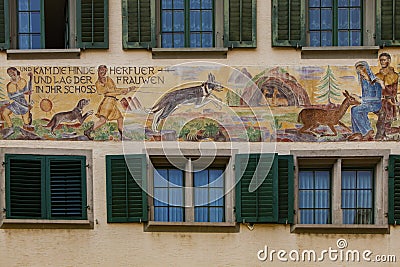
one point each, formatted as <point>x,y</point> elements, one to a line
<point>307,216</point>
<point>326,39</point>
<point>201,214</point>
<point>24,41</point>
<point>348,198</point>
<point>322,179</point>
<point>35,4</point>
<point>326,3</point>
<point>364,180</point>
<point>315,39</point>
<point>35,22</point>
<point>200,196</point>
<point>306,179</point>
<point>355,18</point>
<point>349,216</point>
<point>343,3</point>
<point>179,21</point>
<point>216,178</point>
<point>194,4</point>
<point>364,199</point>
<point>314,3</point>
<point>23,22</point>
<point>166,21</point>
<point>176,214</point>
<point>306,199</point>
<point>166,40</point>
<point>206,4</point>
<point>355,2</point>
<point>216,214</point>
<point>343,18</point>
<point>175,177</point>
<point>322,199</point>
<point>179,40</point>
<point>36,41</point>
<point>195,21</point>
<point>326,19</point>
<point>206,40</point>
<point>166,4</point>
<point>343,38</point>
<point>207,20</point>
<point>314,19</point>
<point>161,214</point>
<point>201,178</point>
<point>179,4</point>
<point>23,5</point>
<point>348,179</point>
<point>321,216</point>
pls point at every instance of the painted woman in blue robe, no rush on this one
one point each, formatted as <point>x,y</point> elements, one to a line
<point>371,88</point>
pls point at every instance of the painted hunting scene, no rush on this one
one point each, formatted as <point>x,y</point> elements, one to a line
<point>198,102</point>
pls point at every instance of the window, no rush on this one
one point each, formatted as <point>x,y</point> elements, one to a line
<point>357,196</point>
<point>335,23</point>
<point>47,24</point>
<point>198,32</point>
<point>195,192</point>
<point>189,196</point>
<point>314,196</point>
<point>193,24</point>
<point>45,187</point>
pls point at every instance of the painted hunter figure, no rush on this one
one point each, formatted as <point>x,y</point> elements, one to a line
<point>387,113</point>
<point>371,90</point>
<point>17,89</point>
<point>108,108</point>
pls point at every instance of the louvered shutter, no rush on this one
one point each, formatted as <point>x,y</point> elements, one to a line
<point>126,176</point>
<point>285,188</point>
<point>24,186</point>
<point>67,183</point>
<point>240,23</point>
<point>388,23</point>
<point>4,31</point>
<point>394,189</point>
<point>137,24</point>
<point>92,23</point>
<point>259,172</point>
<point>288,24</point>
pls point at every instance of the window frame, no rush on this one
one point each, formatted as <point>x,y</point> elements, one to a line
<point>189,189</point>
<point>335,27</point>
<point>339,160</point>
<point>315,189</point>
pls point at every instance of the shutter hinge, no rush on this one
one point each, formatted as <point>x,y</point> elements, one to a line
<point>286,222</point>
<point>3,163</point>
<point>4,209</point>
<point>88,207</point>
<point>140,220</point>
<point>386,168</point>
<point>87,165</point>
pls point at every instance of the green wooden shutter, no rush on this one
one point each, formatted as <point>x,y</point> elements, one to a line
<point>240,23</point>
<point>126,176</point>
<point>92,23</point>
<point>288,24</point>
<point>67,184</point>
<point>259,206</point>
<point>4,30</point>
<point>24,185</point>
<point>285,188</point>
<point>387,23</point>
<point>394,189</point>
<point>138,20</point>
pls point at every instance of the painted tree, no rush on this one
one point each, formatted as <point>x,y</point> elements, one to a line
<point>328,88</point>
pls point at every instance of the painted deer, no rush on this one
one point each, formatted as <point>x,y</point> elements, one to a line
<point>312,118</point>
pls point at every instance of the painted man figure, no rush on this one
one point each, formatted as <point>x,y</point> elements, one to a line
<point>371,88</point>
<point>387,114</point>
<point>17,88</point>
<point>108,109</point>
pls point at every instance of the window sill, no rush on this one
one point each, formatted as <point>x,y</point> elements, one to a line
<point>205,227</point>
<point>340,52</point>
<point>46,224</point>
<point>189,53</point>
<point>14,54</point>
<point>340,229</point>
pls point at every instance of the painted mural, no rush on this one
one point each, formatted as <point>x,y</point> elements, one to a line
<point>200,102</point>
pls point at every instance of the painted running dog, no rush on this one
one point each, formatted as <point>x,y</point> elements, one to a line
<point>198,95</point>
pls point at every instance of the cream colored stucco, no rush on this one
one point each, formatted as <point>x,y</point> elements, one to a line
<point>117,244</point>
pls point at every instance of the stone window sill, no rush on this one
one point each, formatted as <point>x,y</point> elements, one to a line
<point>15,54</point>
<point>189,53</point>
<point>340,52</point>
<point>340,229</point>
<point>206,227</point>
<point>46,224</point>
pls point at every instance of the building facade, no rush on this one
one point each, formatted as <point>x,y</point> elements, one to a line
<point>209,132</point>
